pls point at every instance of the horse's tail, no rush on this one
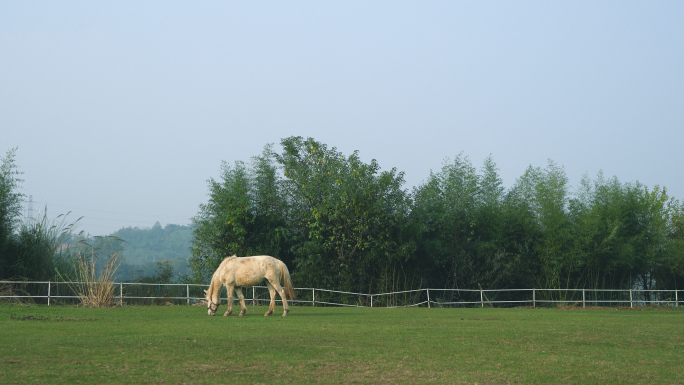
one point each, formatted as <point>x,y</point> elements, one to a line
<point>285,279</point>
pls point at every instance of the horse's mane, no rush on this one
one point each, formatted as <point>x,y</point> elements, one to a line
<point>229,258</point>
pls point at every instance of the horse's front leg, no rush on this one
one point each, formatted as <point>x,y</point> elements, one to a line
<point>229,289</point>
<point>241,297</point>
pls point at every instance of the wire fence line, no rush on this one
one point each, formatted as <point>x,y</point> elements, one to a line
<point>51,292</point>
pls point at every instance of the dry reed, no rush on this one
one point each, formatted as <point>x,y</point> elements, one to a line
<point>93,289</point>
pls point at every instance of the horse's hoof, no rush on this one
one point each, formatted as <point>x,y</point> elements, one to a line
<point>227,313</point>
<point>285,312</point>
<point>268,313</point>
<point>242,313</point>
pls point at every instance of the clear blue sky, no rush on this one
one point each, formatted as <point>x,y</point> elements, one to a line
<point>121,111</point>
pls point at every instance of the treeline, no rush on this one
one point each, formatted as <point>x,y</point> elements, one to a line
<point>155,254</point>
<point>155,251</point>
<point>343,224</point>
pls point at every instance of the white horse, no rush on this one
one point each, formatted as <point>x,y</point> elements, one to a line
<point>236,272</point>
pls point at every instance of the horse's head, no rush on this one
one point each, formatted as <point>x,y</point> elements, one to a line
<point>211,306</point>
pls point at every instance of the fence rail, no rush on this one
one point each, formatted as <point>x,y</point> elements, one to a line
<point>149,293</point>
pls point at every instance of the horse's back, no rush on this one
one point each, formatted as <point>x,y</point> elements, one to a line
<point>249,271</point>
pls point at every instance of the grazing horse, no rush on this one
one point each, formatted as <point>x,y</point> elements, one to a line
<point>236,272</point>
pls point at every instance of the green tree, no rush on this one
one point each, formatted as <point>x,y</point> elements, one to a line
<point>347,214</point>
<point>37,243</point>
<point>27,248</point>
<point>495,263</point>
<point>222,225</point>
<point>598,213</point>
<point>461,220</point>
<point>674,276</point>
<point>445,207</point>
<point>164,274</point>
<point>10,213</point>
<point>542,193</point>
<point>621,233</point>
<point>649,235</point>
<point>273,234</point>
<point>246,215</point>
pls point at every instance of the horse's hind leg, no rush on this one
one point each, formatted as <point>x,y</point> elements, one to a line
<point>281,292</point>
<point>274,286</point>
<point>241,297</point>
<point>286,307</point>
<point>271,291</point>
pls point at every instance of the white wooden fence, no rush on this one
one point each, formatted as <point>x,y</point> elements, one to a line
<point>50,292</point>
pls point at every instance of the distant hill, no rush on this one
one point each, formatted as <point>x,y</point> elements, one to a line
<point>144,248</point>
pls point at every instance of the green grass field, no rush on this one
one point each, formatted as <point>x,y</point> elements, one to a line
<point>182,345</point>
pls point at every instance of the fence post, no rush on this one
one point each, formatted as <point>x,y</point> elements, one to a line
<point>49,287</point>
<point>187,292</point>
<point>428,295</point>
<point>371,300</point>
<point>584,304</point>
<point>481,299</point>
<point>631,303</point>
<point>254,302</point>
<point>313,296</point>
<point>534,298</point>
<point>676,299</point>
<point>120,293</point>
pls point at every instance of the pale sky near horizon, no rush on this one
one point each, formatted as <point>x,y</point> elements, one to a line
<point>121,111</point>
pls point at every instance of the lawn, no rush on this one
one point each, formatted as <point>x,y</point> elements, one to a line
<point>182,345</point>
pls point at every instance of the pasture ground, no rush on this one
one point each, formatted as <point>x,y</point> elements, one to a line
<point>182,345</point>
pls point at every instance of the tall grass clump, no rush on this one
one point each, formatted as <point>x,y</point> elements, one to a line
<point>38,241</point>
<point>91,282</point>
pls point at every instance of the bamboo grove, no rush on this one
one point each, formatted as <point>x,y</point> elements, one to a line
<point>343,224</point>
